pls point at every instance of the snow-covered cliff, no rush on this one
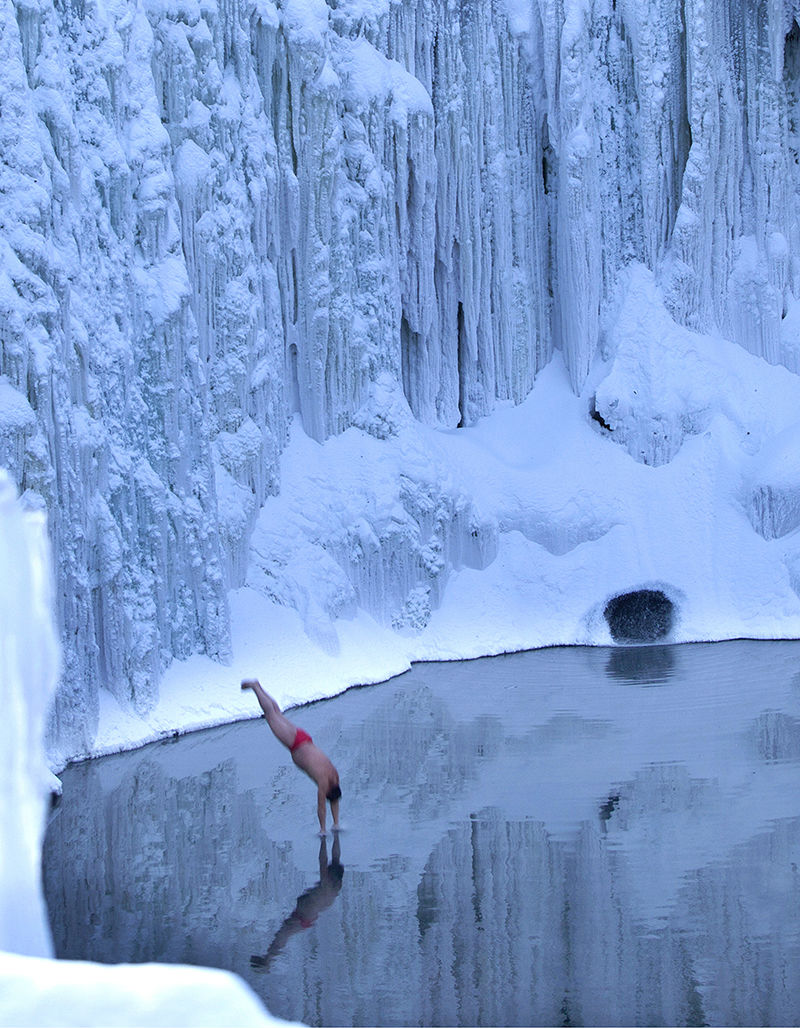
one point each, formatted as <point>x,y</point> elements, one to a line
<point>383,218</point>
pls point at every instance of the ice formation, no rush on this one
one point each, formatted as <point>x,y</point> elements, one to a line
<point>33,988</point>
<point>379,222</point>
<point>29,661</point>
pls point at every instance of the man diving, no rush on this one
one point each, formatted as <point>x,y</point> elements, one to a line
<point>305,754</point>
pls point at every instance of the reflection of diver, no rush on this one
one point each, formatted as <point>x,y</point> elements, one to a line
<point>309,905</point>
<point>608,808</point>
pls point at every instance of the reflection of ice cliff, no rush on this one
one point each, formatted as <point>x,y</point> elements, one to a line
<point>559,937</point>
<point>518,868</point>
<point>510,924</point>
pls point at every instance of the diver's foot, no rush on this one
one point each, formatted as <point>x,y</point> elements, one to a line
<point>248,683</point>
<point>337,829</point>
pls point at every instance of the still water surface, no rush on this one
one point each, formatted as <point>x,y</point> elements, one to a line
<point>562,837</point>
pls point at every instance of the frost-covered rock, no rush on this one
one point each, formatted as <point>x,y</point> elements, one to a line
<point>665,383</point>
<point>99,336</point>
<point>372,521</point>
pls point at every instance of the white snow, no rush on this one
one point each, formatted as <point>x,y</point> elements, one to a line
<point>28,673</point>
<point>38,993</point>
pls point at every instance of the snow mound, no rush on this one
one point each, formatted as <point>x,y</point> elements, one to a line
<point>37,993</point>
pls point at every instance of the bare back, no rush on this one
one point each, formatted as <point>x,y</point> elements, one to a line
<point>312,760</point>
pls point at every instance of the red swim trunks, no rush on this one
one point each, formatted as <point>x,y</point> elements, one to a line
<point>299,739</point>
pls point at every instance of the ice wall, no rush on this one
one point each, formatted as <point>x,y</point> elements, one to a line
<point>217,215</point>
<point>99,350</point>
<point>734,254</point>
<point>674,133</point>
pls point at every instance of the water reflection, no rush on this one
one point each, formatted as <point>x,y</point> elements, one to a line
<point>310,904</point>
<point>554,940</point>
<point>777,736</point>
<point>651,664</point>
<point>526,843</point>
<point>610,805</point>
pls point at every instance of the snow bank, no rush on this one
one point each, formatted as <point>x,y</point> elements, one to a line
<point>42,993</point>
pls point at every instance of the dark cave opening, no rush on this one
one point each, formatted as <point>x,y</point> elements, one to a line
<point>643,615</point>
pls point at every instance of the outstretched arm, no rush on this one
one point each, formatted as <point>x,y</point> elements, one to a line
<point>322,812</point>
<point>335,813</point>
<point>291,926</point>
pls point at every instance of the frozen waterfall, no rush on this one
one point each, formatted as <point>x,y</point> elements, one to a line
<point>383,220</point>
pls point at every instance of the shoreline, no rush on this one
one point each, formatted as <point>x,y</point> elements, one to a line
<point>123,731</point>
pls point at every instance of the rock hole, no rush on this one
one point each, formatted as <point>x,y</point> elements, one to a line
<point>644,615</point>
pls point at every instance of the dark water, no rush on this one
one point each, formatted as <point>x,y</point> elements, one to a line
<point>563,837</point>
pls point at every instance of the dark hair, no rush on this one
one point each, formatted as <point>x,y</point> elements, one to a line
<point>333,793</point>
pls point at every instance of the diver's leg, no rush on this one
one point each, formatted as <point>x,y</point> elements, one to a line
<point>281,726</point>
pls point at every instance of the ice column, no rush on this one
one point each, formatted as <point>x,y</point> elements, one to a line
<point>672,138</point>
<point>732,263</point>
<point>29,664</point>
<point>491,251</point>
